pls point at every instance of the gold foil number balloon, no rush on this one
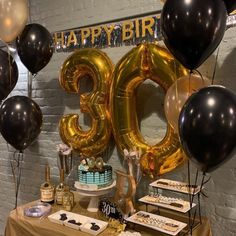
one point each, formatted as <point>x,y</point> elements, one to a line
<point>96,65</point>
<point>147,61</point>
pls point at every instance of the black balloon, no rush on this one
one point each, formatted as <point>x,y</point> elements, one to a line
<point>192,29</point>
<point>230,5</point>
<point>35,47</point>
<point>8,74</point>
<point>20,121</point>
<point>207,127</point>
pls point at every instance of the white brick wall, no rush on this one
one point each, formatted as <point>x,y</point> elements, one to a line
<point>54,102</point>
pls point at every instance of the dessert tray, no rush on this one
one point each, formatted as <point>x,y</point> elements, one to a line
<point>176,186</point>
<point>156,222</point>
<point>78,222</point>
<point>175,204</point>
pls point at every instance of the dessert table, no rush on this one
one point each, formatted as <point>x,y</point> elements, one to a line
<point>18,224</point>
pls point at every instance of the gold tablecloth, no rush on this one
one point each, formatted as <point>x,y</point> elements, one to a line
<point>20,225</point>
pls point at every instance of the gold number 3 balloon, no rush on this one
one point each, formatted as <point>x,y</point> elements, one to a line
<point>96,65</point>
<point>147,61</point>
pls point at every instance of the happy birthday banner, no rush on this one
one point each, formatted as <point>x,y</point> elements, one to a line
<point>130,31</point>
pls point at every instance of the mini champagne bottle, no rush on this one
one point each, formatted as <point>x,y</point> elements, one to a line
<point>47,189</point>
<point>60,189</point>
<point>68,199</point>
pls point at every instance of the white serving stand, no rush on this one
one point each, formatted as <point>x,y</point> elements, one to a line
<point>94,195</point>
<point>173,186</point>
<point>184,209</point>
<point>181,225</point>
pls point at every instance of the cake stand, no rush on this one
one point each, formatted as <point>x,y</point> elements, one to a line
<point>94,195</point>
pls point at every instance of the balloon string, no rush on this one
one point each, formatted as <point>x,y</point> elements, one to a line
<point>176,87</point>
<point>205,182</point>
<point>29,16</point>
<point>189,84</point>
<point>189,212</point>
<point>214,72</point>
<point>200,74</point>
<point>192,219</point>
<point>195,183</point>
<point>30,78</point>
<point>9,61</point>
<point>199,205</point>
<point>199,200</point>
<point>191,198</point>
<point>16,172</point>
<point>193,195</point>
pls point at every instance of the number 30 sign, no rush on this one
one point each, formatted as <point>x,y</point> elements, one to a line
<point>110,210</point>
<point>111,104</point>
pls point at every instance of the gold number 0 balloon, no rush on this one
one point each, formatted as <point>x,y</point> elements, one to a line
<point>147,61</point>
<point>95,64</point>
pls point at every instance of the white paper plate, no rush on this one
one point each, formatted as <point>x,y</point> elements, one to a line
<point>38,210</point>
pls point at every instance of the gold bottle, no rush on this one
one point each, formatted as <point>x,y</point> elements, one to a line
<point>60,189</point>
<point>47,190</point>
<point>68,199</point>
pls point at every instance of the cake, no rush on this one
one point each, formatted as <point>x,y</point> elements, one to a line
<point>93,174</point>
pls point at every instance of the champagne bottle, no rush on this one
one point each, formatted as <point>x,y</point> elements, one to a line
<point>68,199</point>
<point>60,189</point>
<point>47,189</point>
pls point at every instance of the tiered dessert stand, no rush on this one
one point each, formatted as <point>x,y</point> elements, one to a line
<point>163,224</point>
